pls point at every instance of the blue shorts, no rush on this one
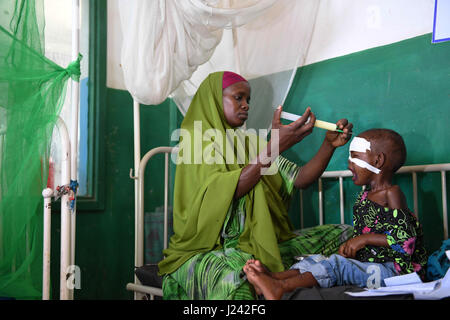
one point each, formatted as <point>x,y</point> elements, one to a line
<point>337,270</point>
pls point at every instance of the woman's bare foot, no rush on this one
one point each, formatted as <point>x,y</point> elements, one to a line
<point>264,284</point>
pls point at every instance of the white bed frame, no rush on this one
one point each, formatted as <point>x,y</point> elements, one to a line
<point>140,289</point>
<point>69,171</point>
<point>68,224</point>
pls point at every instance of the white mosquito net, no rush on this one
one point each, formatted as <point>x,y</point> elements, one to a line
<point>170,46</point>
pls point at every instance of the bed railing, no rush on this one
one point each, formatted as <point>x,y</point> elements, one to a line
<point>413,170</point>
<point>67,255</point>
<point>139,217</point>
<point>340,175</point>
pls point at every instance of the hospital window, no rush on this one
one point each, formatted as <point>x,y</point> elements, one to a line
<point>58,48</point>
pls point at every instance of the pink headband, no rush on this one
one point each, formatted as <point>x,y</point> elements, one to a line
<point>230,78</point>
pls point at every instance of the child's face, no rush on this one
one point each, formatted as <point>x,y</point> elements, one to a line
<point>361,176</point>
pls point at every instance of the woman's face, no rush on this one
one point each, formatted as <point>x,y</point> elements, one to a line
<point>236,99</point>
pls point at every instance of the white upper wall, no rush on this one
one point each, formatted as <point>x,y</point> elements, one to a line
<point>342,27</point>
<point>347,26</point>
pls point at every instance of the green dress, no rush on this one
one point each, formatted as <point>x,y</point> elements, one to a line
<point>218,274</point>
<point>214,234</point>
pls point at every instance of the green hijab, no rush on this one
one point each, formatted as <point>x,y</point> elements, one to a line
<point>204,192</point>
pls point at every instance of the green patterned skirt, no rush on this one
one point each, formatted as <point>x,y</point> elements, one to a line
<point>218,275</point>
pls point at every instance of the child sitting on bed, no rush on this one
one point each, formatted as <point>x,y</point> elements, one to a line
<point>387,239</point>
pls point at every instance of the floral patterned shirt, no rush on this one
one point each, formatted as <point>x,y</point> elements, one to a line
<point>403,232</point>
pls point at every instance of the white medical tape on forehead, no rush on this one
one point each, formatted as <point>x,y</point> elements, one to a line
<point>363,164</point>
<point>359,144</point>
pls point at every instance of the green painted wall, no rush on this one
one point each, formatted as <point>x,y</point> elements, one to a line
<point>404,86</point>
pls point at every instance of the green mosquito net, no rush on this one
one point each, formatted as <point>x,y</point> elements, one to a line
<point>32,90</point>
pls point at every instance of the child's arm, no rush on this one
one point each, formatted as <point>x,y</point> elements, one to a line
<point>312,170</point>
<point>350,247</point>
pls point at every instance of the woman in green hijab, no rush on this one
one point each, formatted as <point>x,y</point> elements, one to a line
<point>232,193</point>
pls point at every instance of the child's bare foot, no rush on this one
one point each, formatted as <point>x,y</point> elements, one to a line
<point>257,265</point>
<point>249,267</point>
<point>264,284</point>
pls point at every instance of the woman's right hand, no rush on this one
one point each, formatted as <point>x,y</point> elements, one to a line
<point>289,135</point>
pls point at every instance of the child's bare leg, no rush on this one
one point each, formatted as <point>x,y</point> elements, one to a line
<point>300,280</point>
<point>286,274</point>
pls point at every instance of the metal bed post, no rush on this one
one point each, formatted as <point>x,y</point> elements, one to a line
<point>444,204</point>
<point>66,230</point>
<point>75,119</point>
<point>47,194</point>
<point>341,199</point>
<point>64,293</point>
<point>415,197</point>
<point>136,286</point>
<point>137,158</point>
<point>301,209</point>
<point>2,139</point>
<point>166,189</point>
<point>320,202</point>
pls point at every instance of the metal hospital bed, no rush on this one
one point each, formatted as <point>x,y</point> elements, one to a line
<point>152,290</point>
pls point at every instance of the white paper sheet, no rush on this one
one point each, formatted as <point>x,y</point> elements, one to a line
<point>410,278</point>
<point>411,284</point>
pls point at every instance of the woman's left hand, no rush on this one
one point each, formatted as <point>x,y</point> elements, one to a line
<point>337,139</point>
